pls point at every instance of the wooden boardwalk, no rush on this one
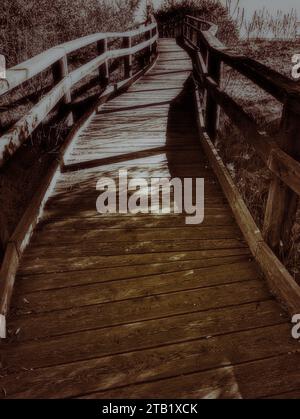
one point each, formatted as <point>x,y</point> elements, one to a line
<point>143,306</point>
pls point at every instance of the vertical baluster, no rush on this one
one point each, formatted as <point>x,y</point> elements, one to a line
<point>199,35</point>
<point>102,47</point>
<point>154,48</point>
<point>149,49</point>
<point>212,108</point>
<point>282,202</point>
<point>128,60</point>
<point>60,71</point>
<point>4,233</point>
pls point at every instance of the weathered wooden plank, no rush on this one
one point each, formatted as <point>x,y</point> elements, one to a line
<point>66,204</point>
<point>99,262</point>
<point>90,210</point>
<point>133,318</point>
<point>164,305</point>
<point>46,238</point>
<point>88,257</point>
<point>98,293</point>
<point>252,380</point>
<point>154,364</point>
<point>44,325</point>
<point>43,282</point>
<point>79,346</point>
<point>106,223</point>
<point>290,395</point>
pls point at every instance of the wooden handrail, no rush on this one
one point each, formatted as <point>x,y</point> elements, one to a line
<point>20,238</point>
<point>282,159</point>
<point>268,79</point>
<point>32,67</point>
<point>213,29</point>
<point>23,72</point>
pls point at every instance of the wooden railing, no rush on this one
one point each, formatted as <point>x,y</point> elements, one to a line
<point>281,159</point>
<point>142,39</point>
<point>56,59</point>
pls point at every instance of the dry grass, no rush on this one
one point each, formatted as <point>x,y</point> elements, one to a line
<point>263,24</point>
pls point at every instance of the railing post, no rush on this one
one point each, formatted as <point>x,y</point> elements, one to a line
<point>191,33</point>
<point>154,46</point>
<point>199,35</point>
<point>4,233</point>
<point>102,47</point>
<point>60,71</point>
<point>128,60</point>
<point>149,49</point>
<point>188,29</point>
<point>212,114</point>
<point>282,202</point>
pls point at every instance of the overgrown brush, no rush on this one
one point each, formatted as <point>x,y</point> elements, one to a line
<point>29,27</point>
<point>211,10</point>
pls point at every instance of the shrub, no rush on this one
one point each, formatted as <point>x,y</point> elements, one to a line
<point>211,10</point>
<point>28,28</point>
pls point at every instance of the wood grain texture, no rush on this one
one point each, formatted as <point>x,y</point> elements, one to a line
<point>143,305</point>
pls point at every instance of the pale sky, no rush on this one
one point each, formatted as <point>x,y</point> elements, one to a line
<point>251,5</point>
